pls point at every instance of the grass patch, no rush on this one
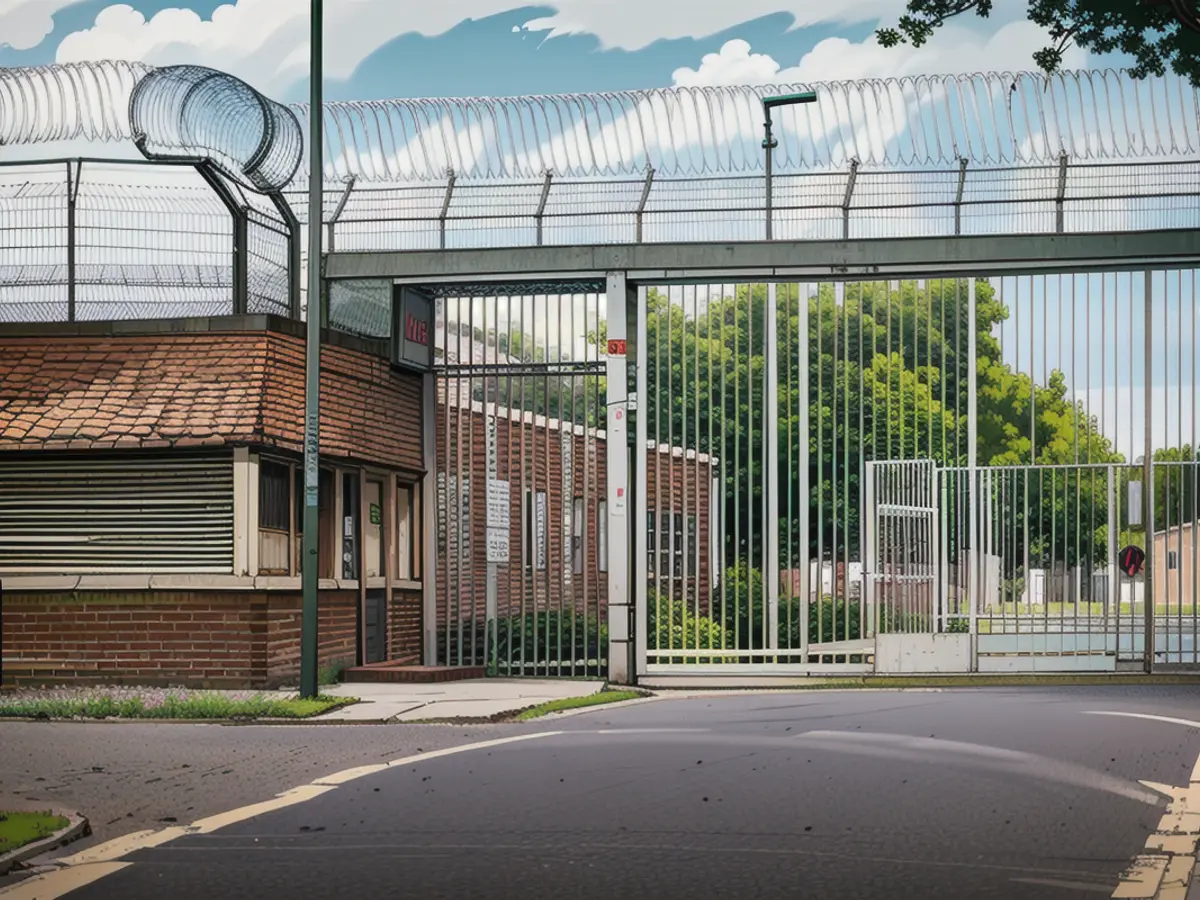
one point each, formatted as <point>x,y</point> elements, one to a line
<point>20,828</point>
<point>598,699</point>
<point>194,706</point>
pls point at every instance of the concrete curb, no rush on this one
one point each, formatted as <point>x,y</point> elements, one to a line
<point>77,827</point>
<point>767,684</point>
<point>240,720</point>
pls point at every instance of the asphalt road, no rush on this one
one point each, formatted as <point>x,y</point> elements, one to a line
<point>1007,793</point>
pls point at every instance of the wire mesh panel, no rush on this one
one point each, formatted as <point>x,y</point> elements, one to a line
<point>92,240</point>
<point>522,519</point>
<point>901,587</point>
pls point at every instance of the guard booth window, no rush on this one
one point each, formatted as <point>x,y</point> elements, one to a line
<point>408,531</point>
<point>326,554</point>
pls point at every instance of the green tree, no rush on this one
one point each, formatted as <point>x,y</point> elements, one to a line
<point>1158,34</point>
<point>887,379</point>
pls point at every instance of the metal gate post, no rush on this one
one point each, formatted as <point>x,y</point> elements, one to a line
<point>430,573</point>
<point>1148,600</point>
<point>771,465</point>
<point>617,478</point>
<point>973,468</point>
<point>869,517</point>
<point>639,566</point>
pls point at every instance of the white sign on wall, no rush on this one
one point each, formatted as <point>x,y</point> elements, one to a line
<point>497,545</point>
<point>499,505</point>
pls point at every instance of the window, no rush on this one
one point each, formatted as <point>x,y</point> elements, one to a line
<point>274,514</point>
<point>1172,560</point>
<point>651,542</point>
<point>533,538</point>
<point>350,526</point>
<point>325,530</point>
<point>577,536</point>
<point>668,549</point>
<point>602,536</point>
<point>374,534</point>
<point>408,532</point>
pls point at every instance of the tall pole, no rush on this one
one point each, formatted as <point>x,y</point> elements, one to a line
<point>769,145</point>
<point>312,363</point>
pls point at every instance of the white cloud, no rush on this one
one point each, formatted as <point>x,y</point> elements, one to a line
<point>953,50</point>
<point>24,24</point>
<point>266,41</point>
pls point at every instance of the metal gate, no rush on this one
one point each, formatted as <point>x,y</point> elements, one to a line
<point>522,532</point>
<point>760,408</point>
<point>902,543</point>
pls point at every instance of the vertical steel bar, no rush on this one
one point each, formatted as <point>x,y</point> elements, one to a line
<point>804,491</point>
<point>640,569</point>
<point>770,462</point>
<point>694,532</point>
<point>973,459</point>
<point>1149,599</point>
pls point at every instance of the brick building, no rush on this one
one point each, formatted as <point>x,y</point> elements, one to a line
<point>150,502</point>
<point>151,505</point>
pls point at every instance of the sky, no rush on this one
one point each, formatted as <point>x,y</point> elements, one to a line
<point>391,48</point>
<point>377,49</point>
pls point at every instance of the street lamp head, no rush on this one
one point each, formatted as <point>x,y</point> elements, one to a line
<point>789,99</point>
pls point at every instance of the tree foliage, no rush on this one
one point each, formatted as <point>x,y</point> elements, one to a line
<point>887,376</point>
<point>1158,34</point>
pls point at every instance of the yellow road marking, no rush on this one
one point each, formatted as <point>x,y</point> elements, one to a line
<point>94,863</point>
<point>63,881</point>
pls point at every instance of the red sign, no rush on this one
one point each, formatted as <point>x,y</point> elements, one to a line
<point>616,348</point>
<point>1131,560</point>
<point>416,330</point>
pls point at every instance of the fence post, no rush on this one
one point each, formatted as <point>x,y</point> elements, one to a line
<point>238,219</point>
<point>331,234</point>
<point>958,196</point>
<point>641,207</point>
<point>973,469</point>
<point>1061,194</point>
<point>541,208</point>
<point>295,259</point>
<point>850,182</point>
<point>771,464</point>
<point>1148,601</point>
<point>451,178</point>
<point>74,175</point>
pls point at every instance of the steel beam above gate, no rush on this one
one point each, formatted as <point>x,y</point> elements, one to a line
<point>778,260</point>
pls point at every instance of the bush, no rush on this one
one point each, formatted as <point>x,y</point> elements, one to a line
<point>674,625</point>
<point>535,643</point>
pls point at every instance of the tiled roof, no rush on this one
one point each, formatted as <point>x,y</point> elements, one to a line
<point>182,390</point>
<point>190,390</point>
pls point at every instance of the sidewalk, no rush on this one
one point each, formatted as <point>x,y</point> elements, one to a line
<point>477,699</point>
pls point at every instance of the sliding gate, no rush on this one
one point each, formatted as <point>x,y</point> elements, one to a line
<point>522,566</point>
<point>1016,414</point>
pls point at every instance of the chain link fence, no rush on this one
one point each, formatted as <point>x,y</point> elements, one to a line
<point>93,240</point>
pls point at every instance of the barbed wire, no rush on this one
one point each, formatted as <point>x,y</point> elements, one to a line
<point>175,112</point>
<point>988,119</point>
<point>186,110</point>
<point>998,118</point>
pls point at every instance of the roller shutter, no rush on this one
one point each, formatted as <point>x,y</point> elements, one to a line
<point>128,513</point>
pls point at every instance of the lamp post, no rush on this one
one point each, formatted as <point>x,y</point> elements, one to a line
<point>310,557</point>
<point>769,142</point>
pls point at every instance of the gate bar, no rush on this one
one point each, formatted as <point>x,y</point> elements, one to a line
<point>617,463</point>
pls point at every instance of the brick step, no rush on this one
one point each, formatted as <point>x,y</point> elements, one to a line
<point>395,673</point>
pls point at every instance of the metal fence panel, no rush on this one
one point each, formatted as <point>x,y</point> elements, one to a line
<point>522,519</point>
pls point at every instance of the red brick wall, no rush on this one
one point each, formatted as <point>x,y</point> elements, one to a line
<point>211,638</point>
<point>368,411</point>
<point>59,392</point>
<point>674,483</point>
<point>337,629</point>
<point>404,627</point>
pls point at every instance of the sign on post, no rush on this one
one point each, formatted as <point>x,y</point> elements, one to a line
<point>1131,559</point>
